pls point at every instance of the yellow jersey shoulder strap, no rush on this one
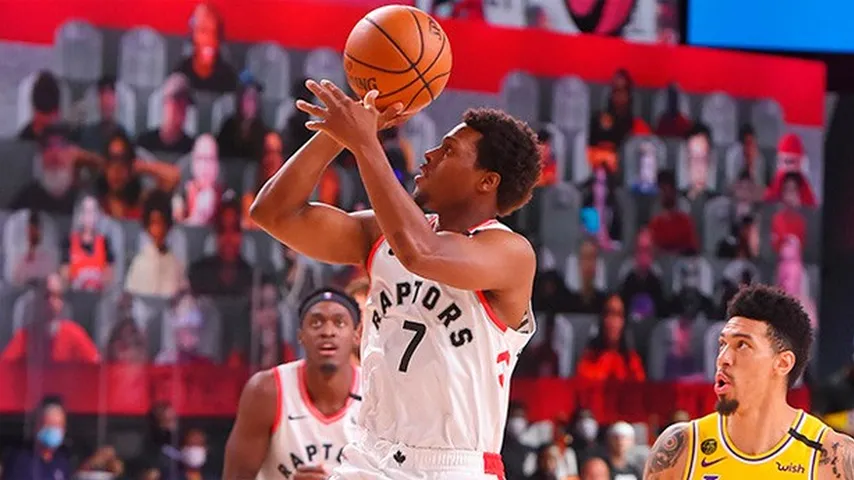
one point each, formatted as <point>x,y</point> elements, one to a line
<point>703,441</point>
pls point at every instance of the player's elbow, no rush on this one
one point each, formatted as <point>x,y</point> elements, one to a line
<point>265,214</point>
<point>261,212</point>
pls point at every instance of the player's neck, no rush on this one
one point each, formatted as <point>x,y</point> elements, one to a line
<point>461,220</point>
<point>328,392</point>
<point>757,430</point>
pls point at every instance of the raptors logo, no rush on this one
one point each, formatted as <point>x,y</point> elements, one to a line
<point>603,17</point>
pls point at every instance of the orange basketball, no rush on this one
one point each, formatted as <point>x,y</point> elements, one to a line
<point>400,51</point>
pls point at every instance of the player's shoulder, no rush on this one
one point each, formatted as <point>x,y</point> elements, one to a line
<point>668,457</point>
<point>512,244</point>
<point>264,383</point>
<point>837,456</point>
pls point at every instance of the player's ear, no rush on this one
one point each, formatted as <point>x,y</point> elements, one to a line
<point>784,362</point>
<point>489,182</point>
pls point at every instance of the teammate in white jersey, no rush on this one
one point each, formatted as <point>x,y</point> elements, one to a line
<point>449,305</point>
<point>294,420</point>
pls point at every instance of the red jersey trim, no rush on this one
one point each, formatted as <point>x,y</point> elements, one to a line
<point>303,392</point>
<point>483,224</point>
<point>481,298</point>
<point>493,465</point>
<point>280,397</point>
<point>370,260</point>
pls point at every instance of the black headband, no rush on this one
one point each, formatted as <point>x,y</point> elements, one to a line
<point>330,295</point>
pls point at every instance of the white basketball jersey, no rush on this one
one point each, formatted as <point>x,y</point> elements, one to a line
<point>436,361</point>
<point>302,434</point>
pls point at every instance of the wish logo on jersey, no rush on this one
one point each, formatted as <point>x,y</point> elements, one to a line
<point>324,453</point>
<point>428,297</point>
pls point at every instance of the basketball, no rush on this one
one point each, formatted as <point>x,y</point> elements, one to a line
<point>400,51</point>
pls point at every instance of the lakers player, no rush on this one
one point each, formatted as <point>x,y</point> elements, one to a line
<point>755,434</point>
<point>294,420</point>
<point>448,309</point>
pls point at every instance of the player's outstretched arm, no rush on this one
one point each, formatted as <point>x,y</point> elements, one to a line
<point>249,439</point>
<point>837,457</point>
<point>320,231</point>
<point>669,455</point>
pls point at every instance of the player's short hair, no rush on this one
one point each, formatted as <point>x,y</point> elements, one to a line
<point>788,324</point>
<point>510,148</point>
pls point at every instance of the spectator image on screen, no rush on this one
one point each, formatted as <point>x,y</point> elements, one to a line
<point>127,344</point>
<point>609,354</point>
<point>699,145</point>
<point>55,189</point>
<point>170,136</point>
<point>610,127</point>
<point>155,270</point>
<point>242,134</point>
<point>600,202</point>
<point>32,258</point>
<point>792,276</point>
<point>94,136</point>
<point>226,272</point>
<point>788,221</point>
<point>791,158</point>
<point>119,185</point>
<point>672,122</point>
<point>672,230</point>
<point>88,255</point>
<point>49,336</point>
<point>45,102</point>
<point>271,161</point>
<point>202,192</point>
<point>206,68</point>
<point>645,180</point>
<point>186,322</point>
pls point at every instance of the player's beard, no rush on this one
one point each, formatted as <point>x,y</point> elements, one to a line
<point>328,368</point>
<point>726,406</point>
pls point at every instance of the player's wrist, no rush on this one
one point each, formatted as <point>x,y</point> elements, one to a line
<point>368,150</point>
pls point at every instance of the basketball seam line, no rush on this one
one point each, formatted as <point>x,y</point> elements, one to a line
<point>427,71</point>
<point>374,67</point>
<point>401,52</point>
<point>427,87</point>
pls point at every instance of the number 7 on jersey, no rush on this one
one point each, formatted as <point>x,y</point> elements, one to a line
<point>420,329</point>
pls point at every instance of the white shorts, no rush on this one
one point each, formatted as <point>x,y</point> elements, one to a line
<point>375,459</point>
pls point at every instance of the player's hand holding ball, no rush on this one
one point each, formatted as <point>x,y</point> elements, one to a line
<point>311,472</point>
<point>351,123</point>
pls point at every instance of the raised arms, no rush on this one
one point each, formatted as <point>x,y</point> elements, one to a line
<point>316,230</point>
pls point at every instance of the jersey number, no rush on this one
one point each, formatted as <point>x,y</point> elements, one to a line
<point>420,329</point>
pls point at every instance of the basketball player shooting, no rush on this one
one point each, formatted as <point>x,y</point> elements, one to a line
<point>449,305</point>
<point>763,350</point>
<point>294,420</point>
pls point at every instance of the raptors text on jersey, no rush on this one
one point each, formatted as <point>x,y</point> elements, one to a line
<point>302,435</point>
<point>436,361</point>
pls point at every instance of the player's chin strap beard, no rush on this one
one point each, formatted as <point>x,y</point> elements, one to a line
<point>328,368</point>
<point>803,439</point>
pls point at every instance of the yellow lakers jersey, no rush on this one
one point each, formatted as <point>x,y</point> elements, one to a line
<point>713,456</point>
